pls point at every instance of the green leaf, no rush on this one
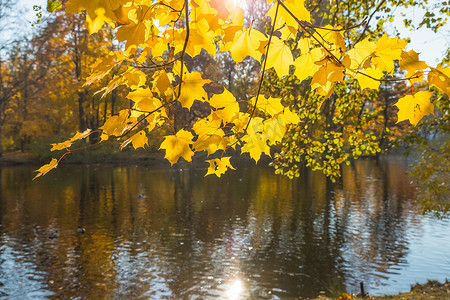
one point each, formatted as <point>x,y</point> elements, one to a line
<point>53,5</point>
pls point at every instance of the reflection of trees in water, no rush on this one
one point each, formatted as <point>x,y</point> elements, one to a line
<point>374,203</point>
<point>159,233</point>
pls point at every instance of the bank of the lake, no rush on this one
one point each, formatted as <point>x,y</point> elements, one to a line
<point>432,289</point>
<point>429,290</point>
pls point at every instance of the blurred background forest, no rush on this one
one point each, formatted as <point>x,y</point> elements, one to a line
<point>43,99</point>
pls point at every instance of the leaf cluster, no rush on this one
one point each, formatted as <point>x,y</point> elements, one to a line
<point>159,36</point>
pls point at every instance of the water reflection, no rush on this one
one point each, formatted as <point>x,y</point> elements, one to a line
<point>156,234</point>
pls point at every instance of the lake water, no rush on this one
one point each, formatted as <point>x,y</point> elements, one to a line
<point>175,234</point>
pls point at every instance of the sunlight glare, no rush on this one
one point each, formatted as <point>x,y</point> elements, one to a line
<point>235,290</point>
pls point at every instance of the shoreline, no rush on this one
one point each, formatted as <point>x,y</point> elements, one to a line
<point>432,289</point>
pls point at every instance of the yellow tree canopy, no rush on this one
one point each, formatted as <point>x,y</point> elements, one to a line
<point>159,35</point>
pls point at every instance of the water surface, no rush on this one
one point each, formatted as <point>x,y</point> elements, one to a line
<point>174,234</point>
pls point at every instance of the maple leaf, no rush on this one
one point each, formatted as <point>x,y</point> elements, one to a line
<point>305,64</point>
<point>206,126</point>
<point>414,107</point>
<point>68,143</point>
<point>46,168</point>
<point>210,142</point>
<point>117,125</point>
<point>98,12</point>
<point>138,140</point>
<point>103,66</point>
<point>369,82</point>
<point>440,77</point>
<point>274,129</point>
<point>297,7</point>
<point>289,117</point>
<point>246,43</point>
<point>334,41</point>
<point>177,146</point>
<point>410,62</point>
<point>221,7</point>
<point>219,166</point>
<point>162,82</point>
<point>270,105</point>
<point>325,78</point>
<point>140,94</point>
<point>136,33</point>
<point>279,57</point>
<point>192,89</point>
<point>387,50</point>
<point>256,139</point>
<point>145,102</point>
<point>360,53</point>
<point>197,41</point>
<point>210,135</point>
<point>226,104</point>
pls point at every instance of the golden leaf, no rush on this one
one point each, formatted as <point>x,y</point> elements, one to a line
<point>192,89</point>
<point>46,168</point>
<point>219,166</point>
<point>414,107</point>
<point>226,104</point>
<point>387,50</point>
<point>246,43</point>
<point>177,146</point>
<point>279,57</point>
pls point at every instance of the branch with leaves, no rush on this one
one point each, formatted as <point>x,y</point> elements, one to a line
<point>156,33</point>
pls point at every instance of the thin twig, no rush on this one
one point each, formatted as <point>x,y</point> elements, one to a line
<point>264,68</point>
<point>368,21</point>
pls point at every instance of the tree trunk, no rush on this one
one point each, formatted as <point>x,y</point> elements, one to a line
<point>81,114</point>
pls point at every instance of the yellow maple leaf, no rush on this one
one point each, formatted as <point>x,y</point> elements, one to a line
<point>270,105</point>
<point>103,66</point>
<point>410,62</point>
<point>136,33</point>
<point>387,50</point>
<point>289,117</point>
<point>192,89</point>
<point>119,124</point>
<point>440,77</point>
<point>46,168</point>
<point>297,7</point>
<point>219,166</point>
<point>333,39</point>
<point>206,126</point>
<point>61,146</point>
<point>221,7</point>
<point>241,122</point>
<point>279,57</point>
<point>197,41</point>
<point>226,105</point>
<point>274,129</point>
<point>210,142</point>
<point>360,53</point>
<point>98,12</point>
<point>246,43</point>
<point>68,143</point>
<point>369,82</point>
<point>414,107</point>
<point>138,140</point>
<point>177,146</point>
<point>305,64</point>
<point>324,79</point>
<point>256,139</point>
<point>145,102</point>
<point>163,82</point>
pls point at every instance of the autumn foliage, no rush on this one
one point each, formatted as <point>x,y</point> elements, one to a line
<point>157,38</point>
